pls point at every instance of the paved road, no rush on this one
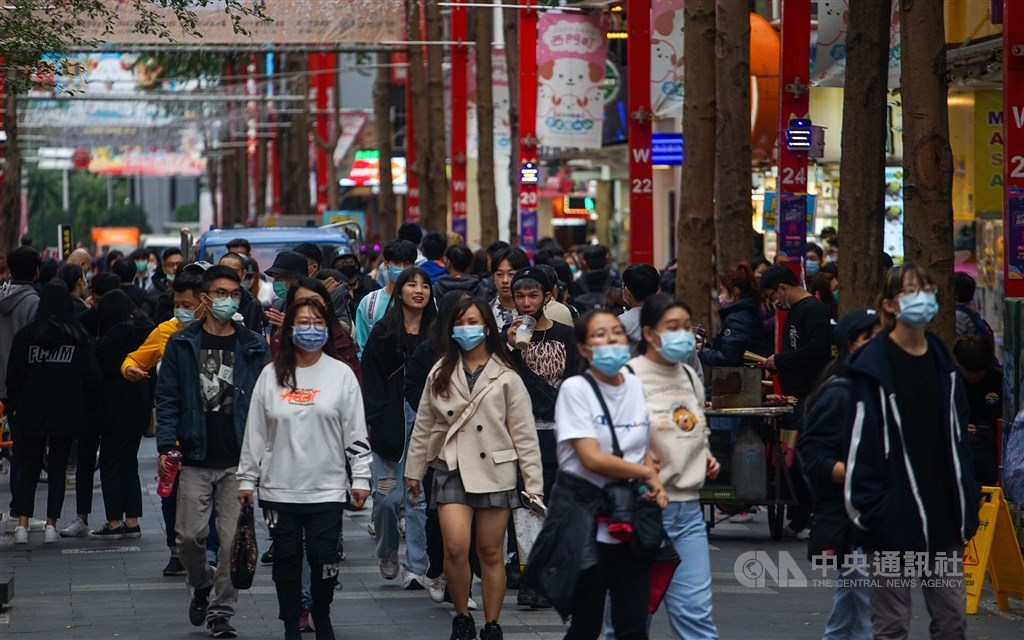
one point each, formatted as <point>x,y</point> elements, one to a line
<point>91,590</point>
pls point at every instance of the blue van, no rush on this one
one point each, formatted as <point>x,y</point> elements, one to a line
<point>267,242</point>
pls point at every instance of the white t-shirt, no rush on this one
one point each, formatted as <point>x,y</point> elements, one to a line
<point>578,414</point>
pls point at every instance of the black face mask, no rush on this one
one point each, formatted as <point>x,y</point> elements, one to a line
<point>349,270</point>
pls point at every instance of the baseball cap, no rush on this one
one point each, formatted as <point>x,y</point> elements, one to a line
<point>852,324</point>
<point>198,267</point>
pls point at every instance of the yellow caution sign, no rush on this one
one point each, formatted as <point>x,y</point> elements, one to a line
<point>994,548</point>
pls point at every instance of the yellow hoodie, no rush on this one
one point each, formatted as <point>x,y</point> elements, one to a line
<point>150,352</point>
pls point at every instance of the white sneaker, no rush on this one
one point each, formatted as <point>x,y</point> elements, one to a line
<point>804,534</point>
<point>20,535</point>
<point>471,604</point>
<point>34,525</point>
<point>435,589</point>
<point>412,581</point>
<point>389,566</point>
<point>44,476</point>
<point>370,529</point>
<point>745,516</point>
<point>401,526</point>
<point>76,529</point>
<point>50,534</point>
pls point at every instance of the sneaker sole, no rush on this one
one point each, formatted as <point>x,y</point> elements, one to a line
<point>106,536</point>
<point>132,536</point>
<point>174,574</point>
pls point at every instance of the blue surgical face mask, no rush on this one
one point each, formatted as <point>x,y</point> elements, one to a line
<point>310,338</point>
<point>677,346</point>
<point>812,268</point>
<point>610,358</point>
<point>835,296</point>
<point>468,336</point>
<point>918,309</point>
<point>394,272</point>
<point>170,278</point>
<point>185,316</point>
<point>224,309</point>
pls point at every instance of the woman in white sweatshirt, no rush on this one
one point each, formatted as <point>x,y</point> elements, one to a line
<point>679,440</point>
<point>305,422</point>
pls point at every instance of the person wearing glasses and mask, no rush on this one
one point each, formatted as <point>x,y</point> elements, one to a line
<point>909,484</point>
<point>208,432</point>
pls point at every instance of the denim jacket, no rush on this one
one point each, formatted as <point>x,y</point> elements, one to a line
<point>179,409</point>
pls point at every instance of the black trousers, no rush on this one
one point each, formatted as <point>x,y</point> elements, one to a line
<point>119,474</point>
<point>320,531</point>
<point>85,471</point>
<point>627,579</point>
<point>31,450</point>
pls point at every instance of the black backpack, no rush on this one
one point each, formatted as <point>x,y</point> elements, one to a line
<point>589,299</point>
<point>980,325</point>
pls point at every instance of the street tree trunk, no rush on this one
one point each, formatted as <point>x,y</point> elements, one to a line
<point>420,107</point>
<point>329,143</point>
<point>510,27</point>
<point>293,141</point>
<point>10,185</point>
<point>734,235</point>
<point>385,137</point>
<point>862,173</point>
<point>234,181</point>
<point>695,228</point>
<point>261,147</point>
<point>488,205</point>
<point>435,216</point>
<point>927,157</point>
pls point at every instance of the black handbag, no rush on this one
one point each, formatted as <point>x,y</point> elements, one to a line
<point>626,508</point>
<point>244,552</point>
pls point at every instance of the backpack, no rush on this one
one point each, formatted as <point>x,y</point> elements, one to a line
<point>980,325</point>
<point>589,299</point>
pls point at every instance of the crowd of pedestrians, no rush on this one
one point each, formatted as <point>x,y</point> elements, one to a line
<point>449,388</point>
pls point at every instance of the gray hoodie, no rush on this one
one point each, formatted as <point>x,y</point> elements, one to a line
<point>18,304</point>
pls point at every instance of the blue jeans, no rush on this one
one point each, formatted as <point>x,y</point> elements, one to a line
<point>389,498</point>
<point>851,611</point>
<point>688,599</point>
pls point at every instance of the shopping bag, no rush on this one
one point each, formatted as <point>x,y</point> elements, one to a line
<point>244,553</point>
<point>528,524</point>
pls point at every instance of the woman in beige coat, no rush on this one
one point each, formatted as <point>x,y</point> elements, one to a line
<point>474,423</point>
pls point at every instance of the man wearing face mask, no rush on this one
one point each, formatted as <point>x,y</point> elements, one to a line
<point>248,306</point>
<point>399,255</point>
<point>207,428</point>
<point>815,259</point>
<point>144,269</point>
<point>806,351</point>
<point>359,284</point>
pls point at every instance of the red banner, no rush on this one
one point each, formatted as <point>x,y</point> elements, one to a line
<point>459,98</point>
<point>1013,120</point>
<point>528,170</point>
<point>412,194</point>
<point>795,65</point>
<point>324,82</point>
<point>641,177</point>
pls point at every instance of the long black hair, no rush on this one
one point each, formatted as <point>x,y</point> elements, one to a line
<point>452,353</point>
<point>439,335</point>
<point>651,313</point>
<point>284,361</point>
<point>55,324</point>
<point>116,307</point>
<point>393,322</point>
<point>71,274</point>
<point>582,328</point>
<point>317,287</point>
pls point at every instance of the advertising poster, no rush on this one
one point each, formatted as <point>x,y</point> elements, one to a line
<point>792,221</point>
<point>1015,216</point>
<point>571,53</point>
<point>667,57</point>
<point>892,238</point>
<point>828,61</point>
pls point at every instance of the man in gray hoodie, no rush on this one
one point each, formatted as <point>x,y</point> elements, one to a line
<point>18,302</point>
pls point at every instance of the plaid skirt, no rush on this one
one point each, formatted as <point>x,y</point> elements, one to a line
<point>448,489</point>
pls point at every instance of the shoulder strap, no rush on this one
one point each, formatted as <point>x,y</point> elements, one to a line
<point>629,368</point>
<point>616,450</point>
<point>697,391</point>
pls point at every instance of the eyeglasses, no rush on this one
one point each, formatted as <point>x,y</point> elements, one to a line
<point>220,294</point>
<point>310,324</point>
<point>928,288</point>
<point>605,334</point>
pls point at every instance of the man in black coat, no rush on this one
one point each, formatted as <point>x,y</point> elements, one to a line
<point>250,308</point>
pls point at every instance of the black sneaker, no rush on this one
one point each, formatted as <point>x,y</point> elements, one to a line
<point>106,533</point>
<point>131,532</point>
<point>491,631</point>
<point>197,608</point>
<point>531,599</point>
<point>219,628</point>
<point>174,568</point>
<point>463,628</point>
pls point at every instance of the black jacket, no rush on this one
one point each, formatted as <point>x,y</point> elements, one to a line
<point>741,330</point>
<point>416,371</point>
<point>472,285</point>
<point>881,485</point>
<point>806,347</point>
<point>124,407</point>
<point>50,392</point>
<point>161,289</point>
<point>252,313</point>
<point>135,294</point>
<point>384,361</point>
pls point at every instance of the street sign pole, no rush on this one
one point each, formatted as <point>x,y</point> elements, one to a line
<point>459,98</point>
<point>528,126</point>
<point>641,177</point>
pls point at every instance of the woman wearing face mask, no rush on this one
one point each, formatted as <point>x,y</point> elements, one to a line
<point>389,419</point>
<point>815,259</point>
<point>475,427</point>
<point>679,440</point>
<point>909,484</point>
<point>306,414</point>
<point>573,531</point>
<point>741,329</point>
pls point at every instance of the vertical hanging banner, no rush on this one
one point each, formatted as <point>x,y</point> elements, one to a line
<point>528,171</point>
<point>412,193</point>
<point>65,240</point>
<point>794,98</point>
<point>251,142</point>
<point>666,55</point>
<point>641,177</point>
<point>274,192</point>
<point>830,46</point>
<point>571,51</point>
<point>459,97</point>
<point>1013,117</point>
<point>324,82</point>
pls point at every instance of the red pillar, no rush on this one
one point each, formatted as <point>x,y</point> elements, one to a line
<point>528,127</point>
<point>641,196</point>
<point>459,98</point>
<point>795,66</point>
<point>1013,119</point>
<point>324,82</point>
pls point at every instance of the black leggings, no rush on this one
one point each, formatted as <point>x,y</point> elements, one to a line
<point>627,579</point>
<point>119,472</point>
<point>320,531</point>
<point>31,450</point>
<point>85,472</point>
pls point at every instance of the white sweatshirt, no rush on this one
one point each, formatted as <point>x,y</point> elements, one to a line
<point>297,441</point>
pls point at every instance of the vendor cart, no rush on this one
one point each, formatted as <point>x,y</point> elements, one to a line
<point>780,483</point>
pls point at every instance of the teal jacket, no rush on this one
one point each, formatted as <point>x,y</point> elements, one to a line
<point>179,409</point>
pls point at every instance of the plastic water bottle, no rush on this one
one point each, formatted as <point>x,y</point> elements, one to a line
<point>750,467</point>
<point>166,485</point>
